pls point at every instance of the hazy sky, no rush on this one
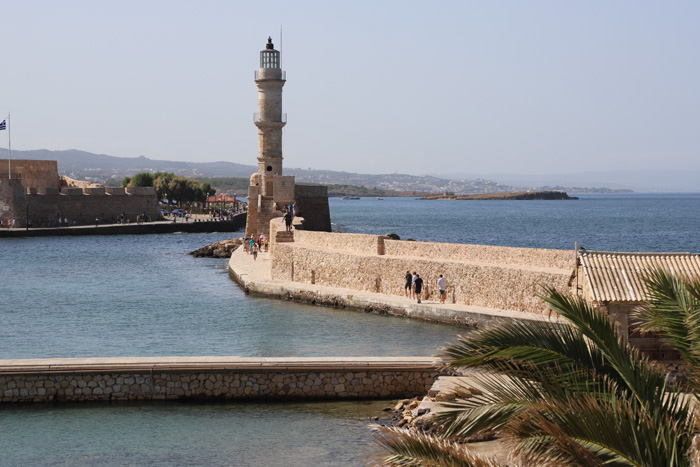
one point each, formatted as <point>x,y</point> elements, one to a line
<point>378,86</point>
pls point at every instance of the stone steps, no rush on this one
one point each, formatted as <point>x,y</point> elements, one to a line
<point>283,236</point>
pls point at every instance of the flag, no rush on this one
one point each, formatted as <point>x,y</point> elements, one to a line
<point>3,125</point>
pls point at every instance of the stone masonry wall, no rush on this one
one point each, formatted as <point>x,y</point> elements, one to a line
<point>312,205</point>
<point>484,276</point>
<point>12,200</point>
<point>487,254</point>
<point>353,243</point>
<point>225,384</point>
<point>34,173</point>
<point>85,208</point>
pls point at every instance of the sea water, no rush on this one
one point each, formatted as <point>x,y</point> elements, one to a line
<point>144,296</point>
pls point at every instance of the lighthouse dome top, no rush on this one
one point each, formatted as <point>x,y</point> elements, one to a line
<point>269,58</point>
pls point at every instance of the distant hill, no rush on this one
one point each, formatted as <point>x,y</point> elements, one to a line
<point>99,168</point>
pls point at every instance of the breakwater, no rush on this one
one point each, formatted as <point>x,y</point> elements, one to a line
<point>158,227</point>
<point>483,276</point>
<point>210,378</point>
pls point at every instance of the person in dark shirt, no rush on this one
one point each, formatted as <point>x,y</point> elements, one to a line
<point>288,220</point>
<point>409,284</point>
<point>418,284</point>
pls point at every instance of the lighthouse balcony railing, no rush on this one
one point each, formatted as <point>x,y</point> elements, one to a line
<point>282,119</point>
<point>257,76</point>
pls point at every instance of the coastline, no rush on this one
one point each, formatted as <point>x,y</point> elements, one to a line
<point>524,195</point>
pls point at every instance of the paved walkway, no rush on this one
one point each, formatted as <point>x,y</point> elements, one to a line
<point>255,276</point>
<point>115,364</point>
<point>161,226</point>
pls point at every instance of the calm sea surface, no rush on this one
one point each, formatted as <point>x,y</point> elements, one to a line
<point>144,296</point>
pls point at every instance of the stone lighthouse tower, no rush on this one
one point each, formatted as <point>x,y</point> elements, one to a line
<point>269,190</point>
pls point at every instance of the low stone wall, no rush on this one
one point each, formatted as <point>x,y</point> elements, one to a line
<point>501,278</point>
<point>485,254</point>
<point>489,286</point>
<point>346,242</point>
<point>221,378</point>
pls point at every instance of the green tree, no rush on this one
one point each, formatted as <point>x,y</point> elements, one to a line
<point>570,393</point>
<point>207,189</point>
<point>126,181</point>
<point>177,188</point>
<point>142,179</point>
<point>161,183</point>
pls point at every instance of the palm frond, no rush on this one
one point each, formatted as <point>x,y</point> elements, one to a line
<point>673,311</point>
<point>615,432</point>
<point>414,448</point>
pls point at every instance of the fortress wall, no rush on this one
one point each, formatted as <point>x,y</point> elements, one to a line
<point>86,208</point>
<point>534,257</point>
<point>141,190</point>
<point>312,205</point>
<point>12,200</point>
<point>35,173</point>
<point>504,286</point>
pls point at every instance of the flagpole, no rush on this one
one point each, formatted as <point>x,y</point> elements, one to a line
<point>9,149</point>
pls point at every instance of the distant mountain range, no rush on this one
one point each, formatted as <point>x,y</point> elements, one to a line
<point>100,167</point>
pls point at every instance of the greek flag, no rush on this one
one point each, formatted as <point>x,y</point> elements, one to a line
<point>3,125</point>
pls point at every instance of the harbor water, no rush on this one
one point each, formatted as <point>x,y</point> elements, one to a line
<point>144,296</point>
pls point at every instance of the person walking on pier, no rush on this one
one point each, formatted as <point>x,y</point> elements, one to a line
<point>413,284</point>
<point>288,220</point>
<point>408,284</point>
<point>254,250</point>
<point>418,286</point>
<point>442,286</point>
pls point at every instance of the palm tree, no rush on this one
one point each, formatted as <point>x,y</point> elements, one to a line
<point>673,312</point>
<point>572,393</point>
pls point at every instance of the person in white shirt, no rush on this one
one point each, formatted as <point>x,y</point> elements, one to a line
<point>442,285</point>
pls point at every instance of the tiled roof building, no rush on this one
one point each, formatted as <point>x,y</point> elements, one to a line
<point>614,282</point>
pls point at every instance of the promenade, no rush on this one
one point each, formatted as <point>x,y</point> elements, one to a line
<point>195,225</point>
<point>255,278</point>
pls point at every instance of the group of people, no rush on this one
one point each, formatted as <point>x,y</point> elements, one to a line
<point>414,286</point>
<point>10,224</point>
<point>254,245</point>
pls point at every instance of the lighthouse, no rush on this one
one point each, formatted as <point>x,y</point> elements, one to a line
<point>269,190</point>
<point>270,120</point>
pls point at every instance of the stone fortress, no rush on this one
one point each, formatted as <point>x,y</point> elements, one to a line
<point>269,190</point>
<point>33,192</point>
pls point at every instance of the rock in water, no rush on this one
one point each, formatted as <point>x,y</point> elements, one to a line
<point>218,249</point>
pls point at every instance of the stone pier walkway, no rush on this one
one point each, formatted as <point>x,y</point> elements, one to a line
<point>255,277</point>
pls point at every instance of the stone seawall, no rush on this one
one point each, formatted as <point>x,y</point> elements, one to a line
<point>501,278</point>
<point>197,378</point>
<point>233,225</point>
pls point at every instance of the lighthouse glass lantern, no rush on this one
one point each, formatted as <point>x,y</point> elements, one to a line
<point>269,58</point>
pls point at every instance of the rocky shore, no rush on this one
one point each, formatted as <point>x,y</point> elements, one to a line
<point>419,413</point>
<point>218,249</point>
<point>533,195</point>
